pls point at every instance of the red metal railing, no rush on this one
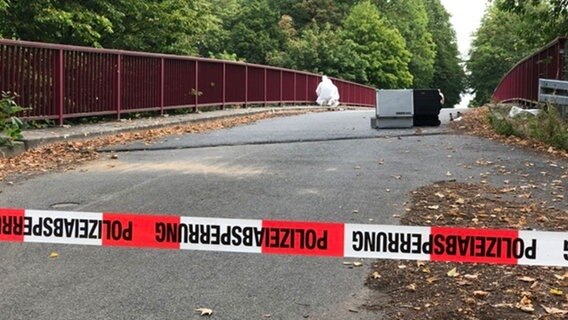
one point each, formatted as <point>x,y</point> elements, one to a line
<point>59,81</point>
<point>521,82</point>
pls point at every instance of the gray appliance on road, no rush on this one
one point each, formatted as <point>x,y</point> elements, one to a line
<point>395,109</point>
<point>405,108</point>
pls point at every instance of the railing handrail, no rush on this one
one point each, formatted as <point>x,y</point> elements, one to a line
<point>42,45</point>
<point>64,81</point>
<point>559,40</point>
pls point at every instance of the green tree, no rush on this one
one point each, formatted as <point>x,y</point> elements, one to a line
<point>493,52</point>
<point>449,75</point>
<point>504,38</point>
<point>320,12</point>
<point>381,47</point>
<point>171,26</point>
<point>548,17</point>
<point>70,22</point>
<point>215,39</point>
<point>321,50</point>
<point>174,26</point>
<point>254,32</point>
<point>411,19</point>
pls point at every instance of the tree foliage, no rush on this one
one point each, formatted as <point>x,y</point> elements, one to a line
<point>321,50</point>
<point>510,31</point>
<point>411,20</point>
<point>387,44</point>
<point>173,26</point>
<point>254,31</point>
<point>449,75</point>
<point>381,46</point>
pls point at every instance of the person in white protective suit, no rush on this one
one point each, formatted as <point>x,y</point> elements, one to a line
<point>327,93</point>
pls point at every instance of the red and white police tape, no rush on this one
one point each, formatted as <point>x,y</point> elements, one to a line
<point>538,248</point>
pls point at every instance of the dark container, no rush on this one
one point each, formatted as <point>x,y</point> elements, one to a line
<point>427,106</point>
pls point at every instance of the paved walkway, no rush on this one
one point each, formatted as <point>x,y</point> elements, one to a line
<point>35,137</point>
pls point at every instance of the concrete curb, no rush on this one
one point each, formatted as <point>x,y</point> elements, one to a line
<point>17,148</point>
<point>35,138</point>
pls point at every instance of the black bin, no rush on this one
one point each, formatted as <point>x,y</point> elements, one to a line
<point>427,106</point>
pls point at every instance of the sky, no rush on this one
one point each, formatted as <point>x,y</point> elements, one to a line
<point>466,17</point>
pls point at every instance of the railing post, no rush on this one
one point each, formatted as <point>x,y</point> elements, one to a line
<point>561,48</point>
<point>295,97</point>
<point>246,84</point>
<point>162,86</point>
<point>306,102</point>
<point>224,85</point>
<point>281,90</point>
<point>265,86</point>
<point>59,84</point>
<point>195,108</point>
<point>118,97</point>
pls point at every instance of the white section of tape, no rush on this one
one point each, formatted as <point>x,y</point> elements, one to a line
<point>386,242</point>
<point>63,227</point>
<point>551,248</point>
<point>214,234</point>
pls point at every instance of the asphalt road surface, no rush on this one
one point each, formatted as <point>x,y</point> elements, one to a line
<point>258,171</point>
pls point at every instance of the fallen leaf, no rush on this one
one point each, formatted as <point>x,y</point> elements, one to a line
<point>53,254</point>
<point>471,276</point>
<point>480,293</point>
<point>449,174</point>
<point>434,207</point>
<point>453,273</point>
<point>463,282</point>
<point>355,211</point>
<point>556,292</point>
<point>432,279</point>
<point>204,311</point>
<point>525,304</point>
<point>460,201</point>
<point>502,305</point>
<point>440,195</point>
<point>376,275</point>
<point>526,279</point>
<point>562,277</point>
<point>411,287</point>
<point>402,266</point>
<point>357,264</point>
<point>553,310</point>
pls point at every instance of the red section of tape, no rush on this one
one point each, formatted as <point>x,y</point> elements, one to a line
<point>302,238</point>
<point>475,245</point>
<point>129,230</point>
<point>12,225</point>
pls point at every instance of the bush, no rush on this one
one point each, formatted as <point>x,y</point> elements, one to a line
<point>547,127</point>
<point>10,125</point>
<point>500,123</point>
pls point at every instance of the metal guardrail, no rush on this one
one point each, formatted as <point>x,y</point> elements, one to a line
<point>556,93</point>
<point>60,81</point>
